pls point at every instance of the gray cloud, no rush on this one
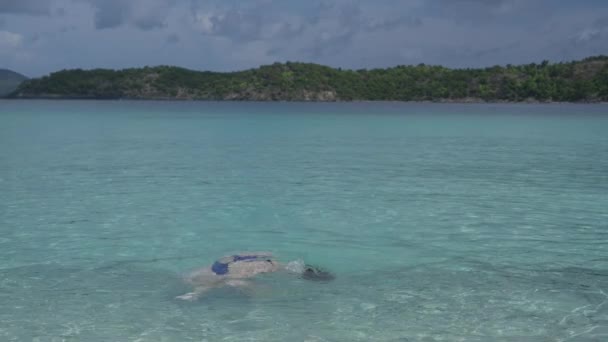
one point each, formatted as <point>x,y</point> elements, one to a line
<point>477,2</point>
<point>473,12</point>
<point>173,38</point>
<point>356,17</point>
<point>65,29</point>
<point>110,13</point>
<point>481,53</point>
<point>354,21</point>
<point>391,24</point>
<point>245,25</point>
<point>237,34</point>
<point>237,25</point>
<point>31,7</point>
<point>329,46</point>
<point>601,25</point>
<point>150,22</point>
<point>589,35</point>
<point>145,15</point>
<point>601,22</point>
<point>597,31</point>
<point>328,29</point>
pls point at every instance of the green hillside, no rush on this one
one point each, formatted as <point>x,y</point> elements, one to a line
<point>579,81</point>
<point>9,81</point>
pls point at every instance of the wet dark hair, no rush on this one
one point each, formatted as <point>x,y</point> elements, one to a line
<point>316,274</point>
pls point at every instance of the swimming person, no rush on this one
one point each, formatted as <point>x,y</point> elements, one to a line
<point>233,271</point>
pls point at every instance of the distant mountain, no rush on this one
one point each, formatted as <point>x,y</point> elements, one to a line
<point>579,81</point>
<point>9,81</point>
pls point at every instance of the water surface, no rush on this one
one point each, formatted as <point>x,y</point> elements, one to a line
<point>441,222</point>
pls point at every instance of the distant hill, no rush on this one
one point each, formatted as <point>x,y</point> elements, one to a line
<point>579,81</point>
<point>9,81</point>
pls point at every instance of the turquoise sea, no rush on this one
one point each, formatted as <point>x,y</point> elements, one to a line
<point>442,222</point>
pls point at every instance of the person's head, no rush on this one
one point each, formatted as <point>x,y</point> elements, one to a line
<point>316,274</point>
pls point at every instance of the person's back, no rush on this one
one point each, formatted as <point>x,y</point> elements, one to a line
<point>234,269</point>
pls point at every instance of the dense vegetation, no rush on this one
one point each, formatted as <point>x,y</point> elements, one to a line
<point>9,81</point>
<point>585,80</point>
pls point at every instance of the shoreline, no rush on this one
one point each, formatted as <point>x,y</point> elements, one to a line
<point>442,101</point>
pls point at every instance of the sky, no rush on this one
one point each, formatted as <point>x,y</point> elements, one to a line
<point>41,36</point>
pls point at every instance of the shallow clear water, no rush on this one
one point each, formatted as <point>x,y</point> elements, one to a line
<point>441,222</point>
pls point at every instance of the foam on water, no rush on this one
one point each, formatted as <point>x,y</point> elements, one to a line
<point>441,222</point>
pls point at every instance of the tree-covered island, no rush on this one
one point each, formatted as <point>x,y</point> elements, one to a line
<point>578,81</point>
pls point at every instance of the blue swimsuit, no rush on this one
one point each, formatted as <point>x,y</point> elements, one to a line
<point>221,268</point>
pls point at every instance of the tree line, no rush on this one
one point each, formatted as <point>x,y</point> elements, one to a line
<point>585,80</point>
